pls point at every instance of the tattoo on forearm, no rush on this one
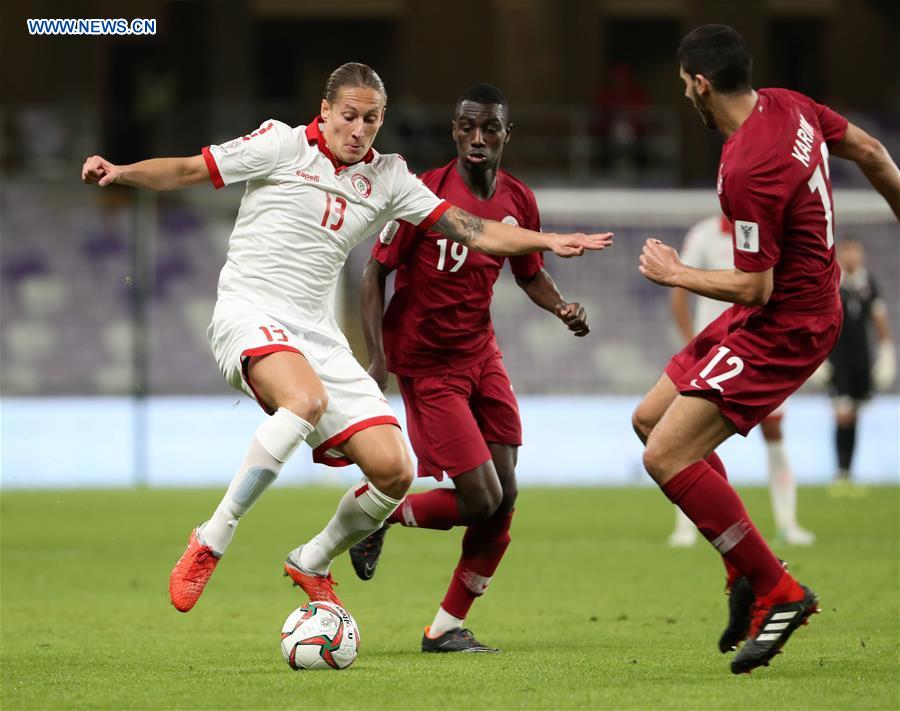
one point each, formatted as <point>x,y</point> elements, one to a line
<point>460,226</point>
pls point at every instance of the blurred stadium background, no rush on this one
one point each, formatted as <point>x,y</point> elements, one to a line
<point>105,295</point>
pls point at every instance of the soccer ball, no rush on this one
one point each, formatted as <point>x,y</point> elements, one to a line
<point>319,635</point>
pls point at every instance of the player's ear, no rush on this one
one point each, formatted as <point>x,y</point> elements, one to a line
<point>453,129</point>
<point>324,109</point>
<point>508,133</point>
<point>702,84</point>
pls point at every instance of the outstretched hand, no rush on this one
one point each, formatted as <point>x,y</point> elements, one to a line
<point>573,245</point>
<point>659,262</point>
<point>97,169</point>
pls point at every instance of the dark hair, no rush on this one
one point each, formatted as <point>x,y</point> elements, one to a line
<point>717,52</point>
<point>353,74</point>
<point>484,94</point>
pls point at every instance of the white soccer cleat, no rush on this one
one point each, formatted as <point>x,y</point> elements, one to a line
<point>683,539</point>
<point>796,536</point>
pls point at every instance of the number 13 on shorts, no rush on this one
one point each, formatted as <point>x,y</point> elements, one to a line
<point>735,363</point>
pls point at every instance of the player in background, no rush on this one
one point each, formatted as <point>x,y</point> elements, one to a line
<point>313,192</point>
<point>437,336</point>
<point>850,371</point>
<point>708,246</point>
<point>773,185</point>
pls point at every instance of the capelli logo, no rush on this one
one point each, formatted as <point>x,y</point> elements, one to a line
<point>311,177</point>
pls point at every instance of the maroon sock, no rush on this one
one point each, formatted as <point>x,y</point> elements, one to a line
<point>731,573</point>
<point>716,509</point>
<point>483,547</point>
<point>430,509</point>
<point>716,463</point>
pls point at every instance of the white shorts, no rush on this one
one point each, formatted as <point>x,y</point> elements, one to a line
<point>354,400</point>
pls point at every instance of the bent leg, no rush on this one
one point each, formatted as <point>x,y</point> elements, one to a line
<point>382,455</point>
<point>286,385</point>
<point>691,428</point>
<point>483,545</point>
<point>653,407</point>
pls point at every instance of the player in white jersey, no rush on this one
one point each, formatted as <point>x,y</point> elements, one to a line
<point>707,245</point>
<point>313,192</point>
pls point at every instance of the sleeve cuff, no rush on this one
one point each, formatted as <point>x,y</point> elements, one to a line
<point>755,265</point>
<point>214,175</point>
<point>435,215</point>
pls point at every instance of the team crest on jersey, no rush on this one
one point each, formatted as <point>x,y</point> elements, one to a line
<point>361,184</point>
<point>510,220</point>
<point>746,236</point>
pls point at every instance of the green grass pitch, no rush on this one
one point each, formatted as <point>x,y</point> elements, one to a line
<point>591,608</point>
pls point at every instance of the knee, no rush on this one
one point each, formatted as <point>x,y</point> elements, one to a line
<point>479,506</point>
<point>642,423</point>
<point>771,429</point>
<point>392,473</point>
<point>479,503</point>
<point>846,418</point>
<point>308,405</point>
<point>510,492</point>
<point>655,461</point>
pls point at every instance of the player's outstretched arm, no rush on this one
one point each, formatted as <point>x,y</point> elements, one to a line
<point>372,304</point>
<point>505,240</point>
<point>542,290</point>
<point>874,161</point>
<point>660,264</point>
<point>153,174</point>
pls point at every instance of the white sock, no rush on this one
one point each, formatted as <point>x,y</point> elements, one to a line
<point>360,511</point>
<point>273,443</point>
<point>443,622</point>
<point>782,487</point>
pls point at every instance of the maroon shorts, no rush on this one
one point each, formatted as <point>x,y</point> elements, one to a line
<point>749,360</point>
<point>451,417</point>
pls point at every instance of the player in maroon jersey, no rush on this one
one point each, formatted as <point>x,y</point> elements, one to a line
<point>437,337</point>
<point>773,184</point>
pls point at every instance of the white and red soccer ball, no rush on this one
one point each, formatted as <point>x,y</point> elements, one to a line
<point>319,635</point>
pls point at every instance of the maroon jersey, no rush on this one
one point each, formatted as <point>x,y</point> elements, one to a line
<point>774,186</point>
<point>440,312</point>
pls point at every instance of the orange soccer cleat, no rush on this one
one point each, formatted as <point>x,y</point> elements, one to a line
<point>191,573</point>
<point>317,587</point>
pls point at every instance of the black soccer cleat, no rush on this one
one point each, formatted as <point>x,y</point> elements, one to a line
<point>364,555</point>
<point>458,640</point>
<point>740,604</point>
<point>772,627</point>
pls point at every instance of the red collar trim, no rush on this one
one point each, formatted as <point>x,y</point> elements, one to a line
<point>314,135</point>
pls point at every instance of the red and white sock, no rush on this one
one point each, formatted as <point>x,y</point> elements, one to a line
<point>275,440</point>
<point>483,546</point>
<point>436,509</point>
<point>717,511</point>
<point>361,510</point>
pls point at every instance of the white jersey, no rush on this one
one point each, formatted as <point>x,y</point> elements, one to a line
<point>302,213</point>
<point>708,246</point>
